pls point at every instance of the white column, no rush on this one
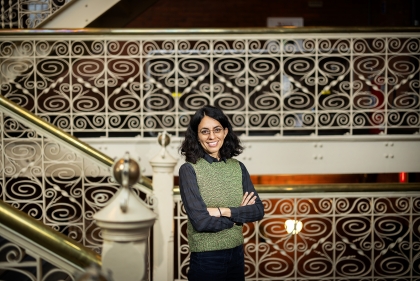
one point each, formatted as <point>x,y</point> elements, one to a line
<point>163,232</point>
<point>125,223</point>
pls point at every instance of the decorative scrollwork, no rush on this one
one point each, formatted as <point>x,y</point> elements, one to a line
<point>368,237</point>
<point>20,265</point>
<point>12,253</point>
<point>359,82</point>
<point>368,45</point>
<point>53,184</point>
<point>404,45</point>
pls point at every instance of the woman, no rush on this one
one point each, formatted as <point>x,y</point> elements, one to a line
<point>218,196</point>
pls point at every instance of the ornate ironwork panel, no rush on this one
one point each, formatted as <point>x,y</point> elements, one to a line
<point>27,13</point>
<point>364,236</point>
<point>53,183</point>
<point>299,84</point>
<point>18,264</point>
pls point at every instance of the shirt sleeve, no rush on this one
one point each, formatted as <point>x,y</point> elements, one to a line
<point>194,204</point>
<point>247,213</point>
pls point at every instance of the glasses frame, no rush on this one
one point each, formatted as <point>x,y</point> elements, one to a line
<point>209,131</point>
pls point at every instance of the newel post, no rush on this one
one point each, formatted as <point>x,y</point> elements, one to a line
<point>163,232</point>
<point>125,223</point>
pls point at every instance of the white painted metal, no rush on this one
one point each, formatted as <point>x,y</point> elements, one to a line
<point>33,146</point>
<point>276,85</point>
<point>263,156</point>
<point>345,236</point>
<point>28,13</point>
<point>163,232</point>
<point>53,183</point>
<point>16,260</point>
<point>125,233</point>
<point>51,14</point>
<point>78,14</point>
<point>294,155</point>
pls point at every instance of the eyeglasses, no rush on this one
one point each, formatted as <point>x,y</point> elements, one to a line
<point>215,131</point>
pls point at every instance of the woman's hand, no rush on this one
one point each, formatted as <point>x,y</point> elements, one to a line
<point>248,199</point>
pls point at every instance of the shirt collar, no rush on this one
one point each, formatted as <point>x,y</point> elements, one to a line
<point>211,159</point>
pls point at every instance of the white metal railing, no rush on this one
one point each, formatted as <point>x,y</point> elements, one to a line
<point>54,184</point>
<point>32,251</point>
<point>129,83</point>
<point>345,236</point>
<point>27,13</point>
<point>22,265</point>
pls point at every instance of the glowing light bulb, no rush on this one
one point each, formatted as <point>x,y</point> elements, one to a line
<point>293,226</point>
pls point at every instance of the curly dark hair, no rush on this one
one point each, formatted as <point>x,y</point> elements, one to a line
<point>191,147</point>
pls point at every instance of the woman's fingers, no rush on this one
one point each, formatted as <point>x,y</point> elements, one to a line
<point>248,199</point>
<point>252,200</point>
<point>244,198</point>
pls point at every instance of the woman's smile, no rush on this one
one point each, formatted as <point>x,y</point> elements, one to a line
<point>212,144</point>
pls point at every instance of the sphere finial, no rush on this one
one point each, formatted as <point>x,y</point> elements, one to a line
<point>126,171</point>
<point>164,139</point>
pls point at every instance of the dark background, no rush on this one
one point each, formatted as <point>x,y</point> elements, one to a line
<point>254,13</point>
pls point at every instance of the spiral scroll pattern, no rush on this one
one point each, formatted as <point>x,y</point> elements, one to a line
<point>279,86</point>
<point>344,237</point>
<point>53,184</point>
<point>23,265</point>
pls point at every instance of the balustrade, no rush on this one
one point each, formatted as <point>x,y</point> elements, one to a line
<point>130,83</point>
<point>345,236</point>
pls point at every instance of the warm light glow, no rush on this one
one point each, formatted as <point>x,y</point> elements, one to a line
<point>293,226</point>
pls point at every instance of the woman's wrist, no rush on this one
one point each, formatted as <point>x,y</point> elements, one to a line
<point>225,212</point>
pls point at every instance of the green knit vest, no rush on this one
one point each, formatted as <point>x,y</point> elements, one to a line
<point>220,185</point>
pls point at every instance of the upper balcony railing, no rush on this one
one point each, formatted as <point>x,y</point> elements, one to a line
<point>270,82</point>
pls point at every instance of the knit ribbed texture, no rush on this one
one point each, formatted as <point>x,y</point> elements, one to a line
<point>220,185</point>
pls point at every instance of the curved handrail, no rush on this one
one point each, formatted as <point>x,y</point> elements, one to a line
<point>44,236</point>
<point>26,116</point>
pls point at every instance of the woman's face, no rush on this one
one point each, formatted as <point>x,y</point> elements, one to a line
<point>211,135</point>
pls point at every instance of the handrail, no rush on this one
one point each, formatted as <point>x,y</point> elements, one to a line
<point>333,187</point>
<point>202,31</point>
<point>25,115</point>
<point>46,237</point>
<point>338,187</point>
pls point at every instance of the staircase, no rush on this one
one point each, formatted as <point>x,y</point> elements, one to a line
<point>70,13</point>
<point>46,226</point>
